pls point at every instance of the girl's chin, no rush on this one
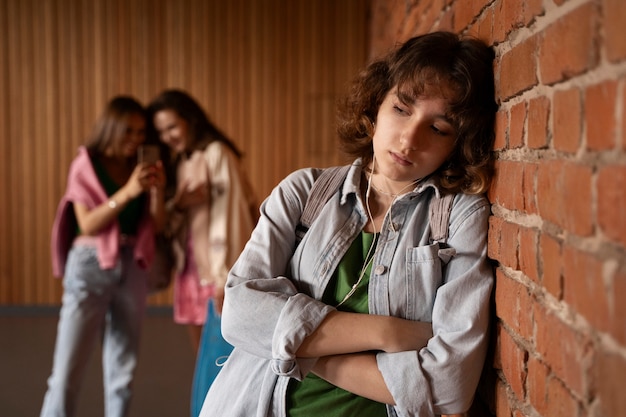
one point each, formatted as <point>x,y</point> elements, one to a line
<point>130,152</point>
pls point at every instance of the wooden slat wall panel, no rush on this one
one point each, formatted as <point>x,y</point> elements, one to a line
<point>268,72</point>
<point>5,149</point>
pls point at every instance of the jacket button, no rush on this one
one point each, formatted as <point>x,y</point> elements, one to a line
<point>380,269</point>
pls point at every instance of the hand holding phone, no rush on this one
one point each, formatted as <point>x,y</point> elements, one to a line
<point>149,154</point>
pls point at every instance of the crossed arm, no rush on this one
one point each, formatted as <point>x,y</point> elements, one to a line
<point>346,344</point>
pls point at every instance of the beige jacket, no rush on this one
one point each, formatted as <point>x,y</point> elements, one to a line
<point>221,228</point>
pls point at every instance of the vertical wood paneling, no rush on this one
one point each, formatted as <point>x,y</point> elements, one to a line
<point>5,265</point>
<point>15,123</point>
<point>5,207</point>
<point>268,73</point>
<point>39,168</point>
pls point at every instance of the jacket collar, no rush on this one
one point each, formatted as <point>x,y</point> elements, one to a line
<point>353,181</point>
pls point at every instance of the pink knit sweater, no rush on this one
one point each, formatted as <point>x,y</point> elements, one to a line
<point>84,187</point>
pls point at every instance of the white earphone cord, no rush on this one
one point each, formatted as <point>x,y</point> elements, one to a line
<point>368,259</point>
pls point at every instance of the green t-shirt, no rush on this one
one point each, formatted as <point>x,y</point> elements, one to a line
<point>314,397</point>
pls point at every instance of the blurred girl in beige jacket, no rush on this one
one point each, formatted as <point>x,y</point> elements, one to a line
<point>212,212</point>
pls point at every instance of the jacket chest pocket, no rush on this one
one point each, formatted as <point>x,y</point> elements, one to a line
<point>423,278</point>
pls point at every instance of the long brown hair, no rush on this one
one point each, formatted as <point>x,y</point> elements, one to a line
<point>112,123</point>
<point>201,129</point>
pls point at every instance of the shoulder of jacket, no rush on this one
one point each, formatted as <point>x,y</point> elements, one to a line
<point>303,177</point>
<point>218,151</point>
<point>469,205</point>
<point>81,167</point>
<point>470,200</point>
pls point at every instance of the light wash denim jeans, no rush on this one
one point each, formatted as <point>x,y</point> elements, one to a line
<point>98,305</point>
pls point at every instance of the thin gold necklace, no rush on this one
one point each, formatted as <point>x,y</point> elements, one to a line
<point>383,192</point>
<point>387,193</point>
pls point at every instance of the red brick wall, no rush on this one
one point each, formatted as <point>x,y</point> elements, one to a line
<point>558,230</point>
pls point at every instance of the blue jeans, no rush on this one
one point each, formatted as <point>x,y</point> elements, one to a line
<point>98,305</point>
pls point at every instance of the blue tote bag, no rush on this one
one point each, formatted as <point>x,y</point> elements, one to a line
<point>213,352</point>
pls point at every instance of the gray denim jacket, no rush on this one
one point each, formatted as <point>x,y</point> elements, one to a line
<point>273,298</point>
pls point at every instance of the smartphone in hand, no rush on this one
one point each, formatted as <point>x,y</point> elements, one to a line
<point>149,154</point>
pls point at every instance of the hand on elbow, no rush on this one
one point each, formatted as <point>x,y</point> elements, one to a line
<point>404,335</point>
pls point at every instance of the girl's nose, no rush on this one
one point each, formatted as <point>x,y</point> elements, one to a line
<point>409,138</point>
<point>139,139</point>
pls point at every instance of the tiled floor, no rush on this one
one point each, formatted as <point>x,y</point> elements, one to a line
<point>162,383</point>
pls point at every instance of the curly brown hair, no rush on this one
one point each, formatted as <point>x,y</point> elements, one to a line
<point>462,64</point>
